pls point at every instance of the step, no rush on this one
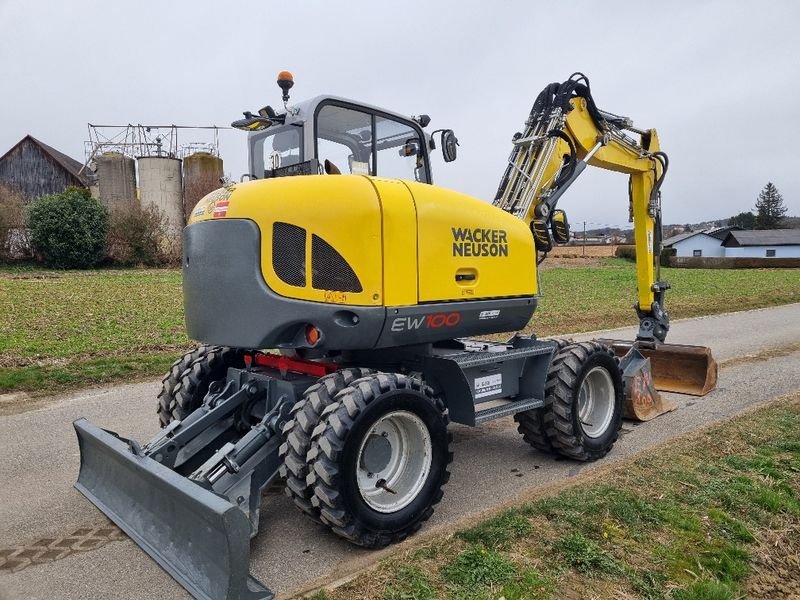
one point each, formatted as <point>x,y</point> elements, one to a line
<point>470,359</point>
<point>509,408</point>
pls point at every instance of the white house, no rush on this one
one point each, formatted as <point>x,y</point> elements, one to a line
<point>699,243</point>
<point>764,243</point>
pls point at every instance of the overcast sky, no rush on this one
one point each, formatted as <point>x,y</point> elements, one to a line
<point>720,81</point>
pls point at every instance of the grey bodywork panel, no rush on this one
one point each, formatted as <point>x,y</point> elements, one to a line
<point>485,372</point>
<point>435,321</point>
<point>227,301</point>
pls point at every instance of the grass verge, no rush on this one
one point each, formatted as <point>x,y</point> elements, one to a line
<point>76,328</point>
<point>715,516</point>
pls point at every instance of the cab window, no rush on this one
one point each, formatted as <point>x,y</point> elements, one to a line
<point>399,150</point>
<point>344,138</point>
<point>358,142</point>
<point>276,148</point>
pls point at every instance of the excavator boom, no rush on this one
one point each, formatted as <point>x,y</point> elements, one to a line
<point>565,132</point>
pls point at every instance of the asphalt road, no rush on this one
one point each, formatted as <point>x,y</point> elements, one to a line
<point>43,518</point>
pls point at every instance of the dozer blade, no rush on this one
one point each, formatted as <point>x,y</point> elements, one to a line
<point>675,367</point>
<point>199,538</point>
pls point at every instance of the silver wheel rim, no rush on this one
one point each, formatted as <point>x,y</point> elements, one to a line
<point>407,461</point>
<point>596,400</point>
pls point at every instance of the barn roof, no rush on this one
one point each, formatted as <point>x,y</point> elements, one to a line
<point>762,237</point>
<point>69,164</point>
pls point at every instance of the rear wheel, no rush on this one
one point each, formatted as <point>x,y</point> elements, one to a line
<point>378,462</point>
<point>166,397</point>
<point>305,416</point>
<point>187,383</point>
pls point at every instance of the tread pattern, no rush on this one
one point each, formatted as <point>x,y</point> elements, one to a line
<point>328,441</point>
<point>166,397</point>
<point>534,424</point>
<point>182,393</point>
<point>304,417</point>
<point>562,379</point>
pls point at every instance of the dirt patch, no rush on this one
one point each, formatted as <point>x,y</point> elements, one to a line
<point>571,262</point>
<point>764,355</point>
<point>775,564</point>
<point>581,251</point>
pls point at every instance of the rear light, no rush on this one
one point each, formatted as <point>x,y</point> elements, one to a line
<point>313,335</point>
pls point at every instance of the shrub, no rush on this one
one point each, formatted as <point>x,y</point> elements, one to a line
<point>14,238</point>
<point>68,230</point>
<point>666,254</point>
<point>141,236</point>
<point>628,252</point>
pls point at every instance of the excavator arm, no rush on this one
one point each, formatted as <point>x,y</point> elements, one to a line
<point>565,132</point>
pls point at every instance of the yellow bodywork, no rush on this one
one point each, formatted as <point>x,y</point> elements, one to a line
<point>407,242</point>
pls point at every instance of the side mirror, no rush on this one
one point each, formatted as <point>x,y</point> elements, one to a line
<point>449,145</point>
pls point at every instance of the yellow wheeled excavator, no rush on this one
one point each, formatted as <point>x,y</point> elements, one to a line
<point>339,296</point>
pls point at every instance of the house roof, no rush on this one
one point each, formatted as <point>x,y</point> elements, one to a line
<point>69,164</point>
<point>762,237</point>
<point>721,232</point>
<point>718,233</point>
<point>680,237</point>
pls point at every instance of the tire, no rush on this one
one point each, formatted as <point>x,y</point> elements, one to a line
<point>209,364</point>
<point>595,368</point>
<point>533,424</point>
<point>166,397</point>
<point>304,417</point>
<point>340,457</point>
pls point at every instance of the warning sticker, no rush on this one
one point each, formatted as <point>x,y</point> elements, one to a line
<point>486,386</point>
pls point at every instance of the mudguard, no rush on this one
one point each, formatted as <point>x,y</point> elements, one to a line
<point>199,538</point>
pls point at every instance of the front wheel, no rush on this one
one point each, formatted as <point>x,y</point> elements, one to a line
<point>378,465</point>
<point>583,415</point>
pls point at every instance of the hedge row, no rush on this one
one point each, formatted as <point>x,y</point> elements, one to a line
<point>72,230</point>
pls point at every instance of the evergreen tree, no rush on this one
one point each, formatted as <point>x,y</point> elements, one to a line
<point>745,220</point>
<point>769,208</point>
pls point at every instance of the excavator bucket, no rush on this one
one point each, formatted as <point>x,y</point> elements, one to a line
<point>198,537</point>
<point>675,367</point>
<point>642,401</point>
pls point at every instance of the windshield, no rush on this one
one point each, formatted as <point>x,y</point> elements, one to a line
<point>276,148</point>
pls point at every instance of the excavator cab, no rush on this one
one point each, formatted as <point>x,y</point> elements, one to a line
<point>331,135</point>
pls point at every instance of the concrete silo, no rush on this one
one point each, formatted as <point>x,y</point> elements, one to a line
<point>116,179</point>
<point>161,186</point>
<point>201,175</point>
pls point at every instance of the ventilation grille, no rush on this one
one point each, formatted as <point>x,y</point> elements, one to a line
<point>289,253</point>
<point>329,270</point>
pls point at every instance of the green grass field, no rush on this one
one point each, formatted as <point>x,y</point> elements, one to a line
<point>668,525</point>
<point>68,329</point>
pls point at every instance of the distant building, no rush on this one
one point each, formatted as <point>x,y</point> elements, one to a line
<point>763,243</point>
<point>734,242</point>
<point>707,242</point>
<point>33,169</point>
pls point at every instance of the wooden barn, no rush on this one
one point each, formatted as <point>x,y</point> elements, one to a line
<point>32,169</point>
